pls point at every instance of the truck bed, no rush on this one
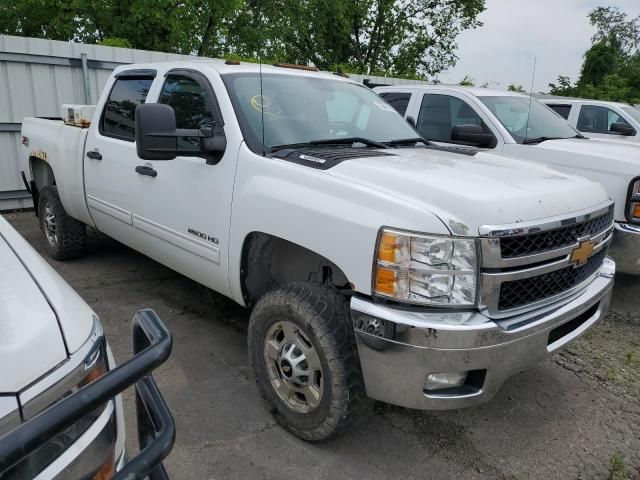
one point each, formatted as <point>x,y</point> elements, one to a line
<point>61,147</point>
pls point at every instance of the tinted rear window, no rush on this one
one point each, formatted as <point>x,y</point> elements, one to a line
<point>118,119</point>
<point>399,101</point>
<point>562,110</point>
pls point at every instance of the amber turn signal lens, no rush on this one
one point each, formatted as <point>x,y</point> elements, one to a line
<point>107,470</point>
<point>387,247</point>
<point>635,210</point>
<point>385,281</point>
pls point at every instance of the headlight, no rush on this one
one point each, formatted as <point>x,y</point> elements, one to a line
<point>425,269</point>
<point>86,366</point>
<point>633,202</point>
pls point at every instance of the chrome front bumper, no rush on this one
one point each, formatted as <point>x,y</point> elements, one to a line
<point>625,248</point>
<point>415,344</point>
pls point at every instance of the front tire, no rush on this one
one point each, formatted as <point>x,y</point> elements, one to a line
<point>301,347</point>
<point>65,237</point>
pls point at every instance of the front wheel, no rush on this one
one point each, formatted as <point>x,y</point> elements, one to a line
<point>302,350</point>
<point>65,237</point>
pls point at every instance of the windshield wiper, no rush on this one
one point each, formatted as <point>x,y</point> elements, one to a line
<point>530,141</point>
<point>331,141</point>
<point>407,141</point>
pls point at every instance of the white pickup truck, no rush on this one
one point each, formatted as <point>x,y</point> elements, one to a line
<point>51,344</point>
<point>375,263</point>
<point>54,363</point>
<point>598,118</point>
<point>496,120</point>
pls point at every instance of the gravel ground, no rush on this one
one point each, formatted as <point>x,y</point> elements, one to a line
<point>577,415</point>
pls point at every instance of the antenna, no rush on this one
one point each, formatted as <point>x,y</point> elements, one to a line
<point>264,149</point>
<point>533,78</point>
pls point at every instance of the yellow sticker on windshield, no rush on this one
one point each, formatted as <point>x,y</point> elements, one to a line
<point>262,103</point>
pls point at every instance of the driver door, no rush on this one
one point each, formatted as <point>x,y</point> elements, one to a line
<point>439,113</point>
<point>185,204</point>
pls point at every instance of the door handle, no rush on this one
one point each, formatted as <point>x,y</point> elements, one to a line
<point>94,155</point>
<point>146,170</point>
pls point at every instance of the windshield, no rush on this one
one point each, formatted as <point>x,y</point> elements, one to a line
<point>633,113</point>
<point>543,122</point>
<point>301,109</point>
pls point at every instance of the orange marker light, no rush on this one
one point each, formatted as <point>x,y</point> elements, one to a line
<point>635,210</point>
<point>387,247</point>
<point>385,281</point>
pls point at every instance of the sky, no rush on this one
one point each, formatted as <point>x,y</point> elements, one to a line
<point>554,32</point>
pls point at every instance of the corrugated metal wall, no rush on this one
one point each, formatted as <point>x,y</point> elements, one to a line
<point>37,76</point>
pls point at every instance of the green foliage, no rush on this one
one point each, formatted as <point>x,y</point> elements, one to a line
<point>114,42</point>
<point>611,67</point>
<point>617,467</point>
<point>467,81</point>
<point>516,88</point>
<point>410,38</point>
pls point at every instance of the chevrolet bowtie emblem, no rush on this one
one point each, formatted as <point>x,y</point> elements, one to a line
<point>582,252</point>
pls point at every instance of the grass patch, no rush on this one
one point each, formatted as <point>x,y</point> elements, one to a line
<point>617,467</point>
<point>609,351</point>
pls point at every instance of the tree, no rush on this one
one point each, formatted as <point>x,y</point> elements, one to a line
<point>611,67</point>
<point>178,26</point>
<point>612,26</point>
<point>395,37</point>
<point>563,87</point>
<point>467,81</point>
<point>516,88</point>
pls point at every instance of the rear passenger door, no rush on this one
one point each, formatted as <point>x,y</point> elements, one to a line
<point>110,156</point>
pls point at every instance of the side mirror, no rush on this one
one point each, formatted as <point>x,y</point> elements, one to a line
<point>157,137</point>
<point>471,135</point>
<point>622,128</point>
<point>411,121</point>
<point>155,123</point>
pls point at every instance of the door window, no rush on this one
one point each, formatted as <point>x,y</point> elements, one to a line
<point>399,101</point>
<point>192,104</point>
<point>596,119</point>
<point>440,113</point>
<point>562,110</point>
<point>118,118</point>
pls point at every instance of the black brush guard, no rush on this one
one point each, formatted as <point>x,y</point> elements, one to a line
<point>156,430</point>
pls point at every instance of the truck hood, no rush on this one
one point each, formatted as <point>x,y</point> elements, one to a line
<point>31,342</point>
<point>625,155</point>
<point>468,191</point>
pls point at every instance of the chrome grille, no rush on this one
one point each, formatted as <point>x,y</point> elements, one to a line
<point>517,293</point>
<point>527,265</point>
<point>534,243</point>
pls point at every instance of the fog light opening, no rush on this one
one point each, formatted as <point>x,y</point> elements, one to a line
<point>442,381</point>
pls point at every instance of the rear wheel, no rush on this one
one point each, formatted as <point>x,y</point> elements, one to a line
<point>65,237</point>
<point>302,349</point>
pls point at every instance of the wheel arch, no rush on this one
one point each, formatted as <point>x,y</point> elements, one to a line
<point>268,262</point>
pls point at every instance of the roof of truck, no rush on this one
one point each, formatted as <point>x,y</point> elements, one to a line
<point>582,101</point>
<point>476,91</point>
<point>241,67</point>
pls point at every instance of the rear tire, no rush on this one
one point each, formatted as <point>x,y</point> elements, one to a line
<point>302,349</point>
<point>65,237</point>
